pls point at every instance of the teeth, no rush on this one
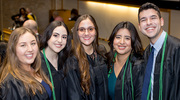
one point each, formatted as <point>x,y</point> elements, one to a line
<point>150,28</point>
<point>121,47</point>
<point>58,45</point>
<point>29,55</point>
<point>87,38</point>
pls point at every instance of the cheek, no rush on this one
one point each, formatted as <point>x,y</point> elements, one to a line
<point>115,42</point>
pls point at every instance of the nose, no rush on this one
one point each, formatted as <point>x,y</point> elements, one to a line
<point>122,41</point>
<point>30,48</point>
<point>59,39</point>
<point>149,21</point>
<point>86,32</point>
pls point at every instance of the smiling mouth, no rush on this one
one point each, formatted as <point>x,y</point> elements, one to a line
<point>87,38</point>
<point>58,45</point>
<point>121,47</point>
<point>29,56</point>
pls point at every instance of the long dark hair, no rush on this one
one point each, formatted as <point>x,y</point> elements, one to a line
<point>63,54</point>
<point>137,48</point>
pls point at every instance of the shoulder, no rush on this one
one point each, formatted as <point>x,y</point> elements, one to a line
<point>11,81</point>
<point>173,42</point>
<point>71,63</point>
<point>12,86</point>
<point>137,62</point>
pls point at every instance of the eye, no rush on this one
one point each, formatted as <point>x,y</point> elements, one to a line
<point>91,29</point>
<point>55,35</point>
<point>154,17</point>
<point>142,19</point>
<point>64,37</point>
<point>128,38</point>
<point>34,43</point>
<point>118,37</point>
<point>81,29</point>
<point>22,45</point>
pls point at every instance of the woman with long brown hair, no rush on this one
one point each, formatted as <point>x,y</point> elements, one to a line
<point>21,77</point>
<point>87,71</point>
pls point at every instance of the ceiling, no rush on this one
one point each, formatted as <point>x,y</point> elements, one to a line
<point>166,4</point>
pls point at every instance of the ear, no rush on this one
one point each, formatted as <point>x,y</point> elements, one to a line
<point>162,21</point>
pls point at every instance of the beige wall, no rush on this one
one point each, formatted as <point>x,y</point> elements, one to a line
<point>39,7</point>
<point>175,23</point>
<point>107,16</point>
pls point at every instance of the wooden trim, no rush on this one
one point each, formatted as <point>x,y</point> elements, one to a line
<point>103,39</point>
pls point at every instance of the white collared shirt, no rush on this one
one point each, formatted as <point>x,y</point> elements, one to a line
<point>157,46</point>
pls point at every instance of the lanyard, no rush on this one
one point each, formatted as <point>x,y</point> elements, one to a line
<point>47,63</point>
<point>161,73</point>
<point>124,77</point>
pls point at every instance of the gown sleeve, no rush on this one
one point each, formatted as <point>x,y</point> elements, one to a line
<point>9,91</point>
<point>177,74</point>
<point>74,90</point>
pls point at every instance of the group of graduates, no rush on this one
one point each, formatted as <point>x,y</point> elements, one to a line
<point>79,69</point>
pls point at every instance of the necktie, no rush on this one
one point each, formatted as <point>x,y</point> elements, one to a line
<point>147,75</point>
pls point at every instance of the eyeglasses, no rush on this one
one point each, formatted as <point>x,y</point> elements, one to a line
<point>83,30</point>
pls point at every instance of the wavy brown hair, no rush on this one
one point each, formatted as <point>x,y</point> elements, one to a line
<point>11,64</point>
<point>80,53</point>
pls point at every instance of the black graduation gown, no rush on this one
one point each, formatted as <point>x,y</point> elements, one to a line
<point>137,78</point>
<point>171,70</point>
<point>13,89</point>
<point>59,84</point>
<point>98,74</point>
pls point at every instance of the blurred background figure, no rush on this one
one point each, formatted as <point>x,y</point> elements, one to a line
<point>32,24</point>
<point>74,15</point>
<point>56,16</point>
<point>30,15</point>
<point>3,46</point>
<point>20,18</point>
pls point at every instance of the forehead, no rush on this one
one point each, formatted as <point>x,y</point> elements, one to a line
<point>26,37</point>
<point>147,13</point>
<point>85,23</point>
<point>123,31</point>
<point>60,29</point>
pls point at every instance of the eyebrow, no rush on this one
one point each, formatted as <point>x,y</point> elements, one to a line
<point>55,33</point>
<point>125,35</point>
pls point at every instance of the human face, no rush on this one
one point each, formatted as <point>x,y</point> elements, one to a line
<point>150,24</point>
<point>88,35</point>
<point>122,42</point>
<point>26,49</point>
<point>58,39</point>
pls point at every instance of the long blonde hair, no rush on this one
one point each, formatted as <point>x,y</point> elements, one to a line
<point>11,64</point>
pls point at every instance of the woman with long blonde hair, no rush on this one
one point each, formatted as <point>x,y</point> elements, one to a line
<point>21,77</point>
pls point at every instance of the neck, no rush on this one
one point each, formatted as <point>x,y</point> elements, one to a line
<point>50,54</point>
<point>122,58</point>
<point>28,68</point>
<point>153,40</point>
<point>88,49</point>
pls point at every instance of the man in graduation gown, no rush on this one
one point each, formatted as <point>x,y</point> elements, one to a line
<point>164,81</point>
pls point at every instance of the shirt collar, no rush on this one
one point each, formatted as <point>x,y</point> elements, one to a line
<point>157,46</point>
